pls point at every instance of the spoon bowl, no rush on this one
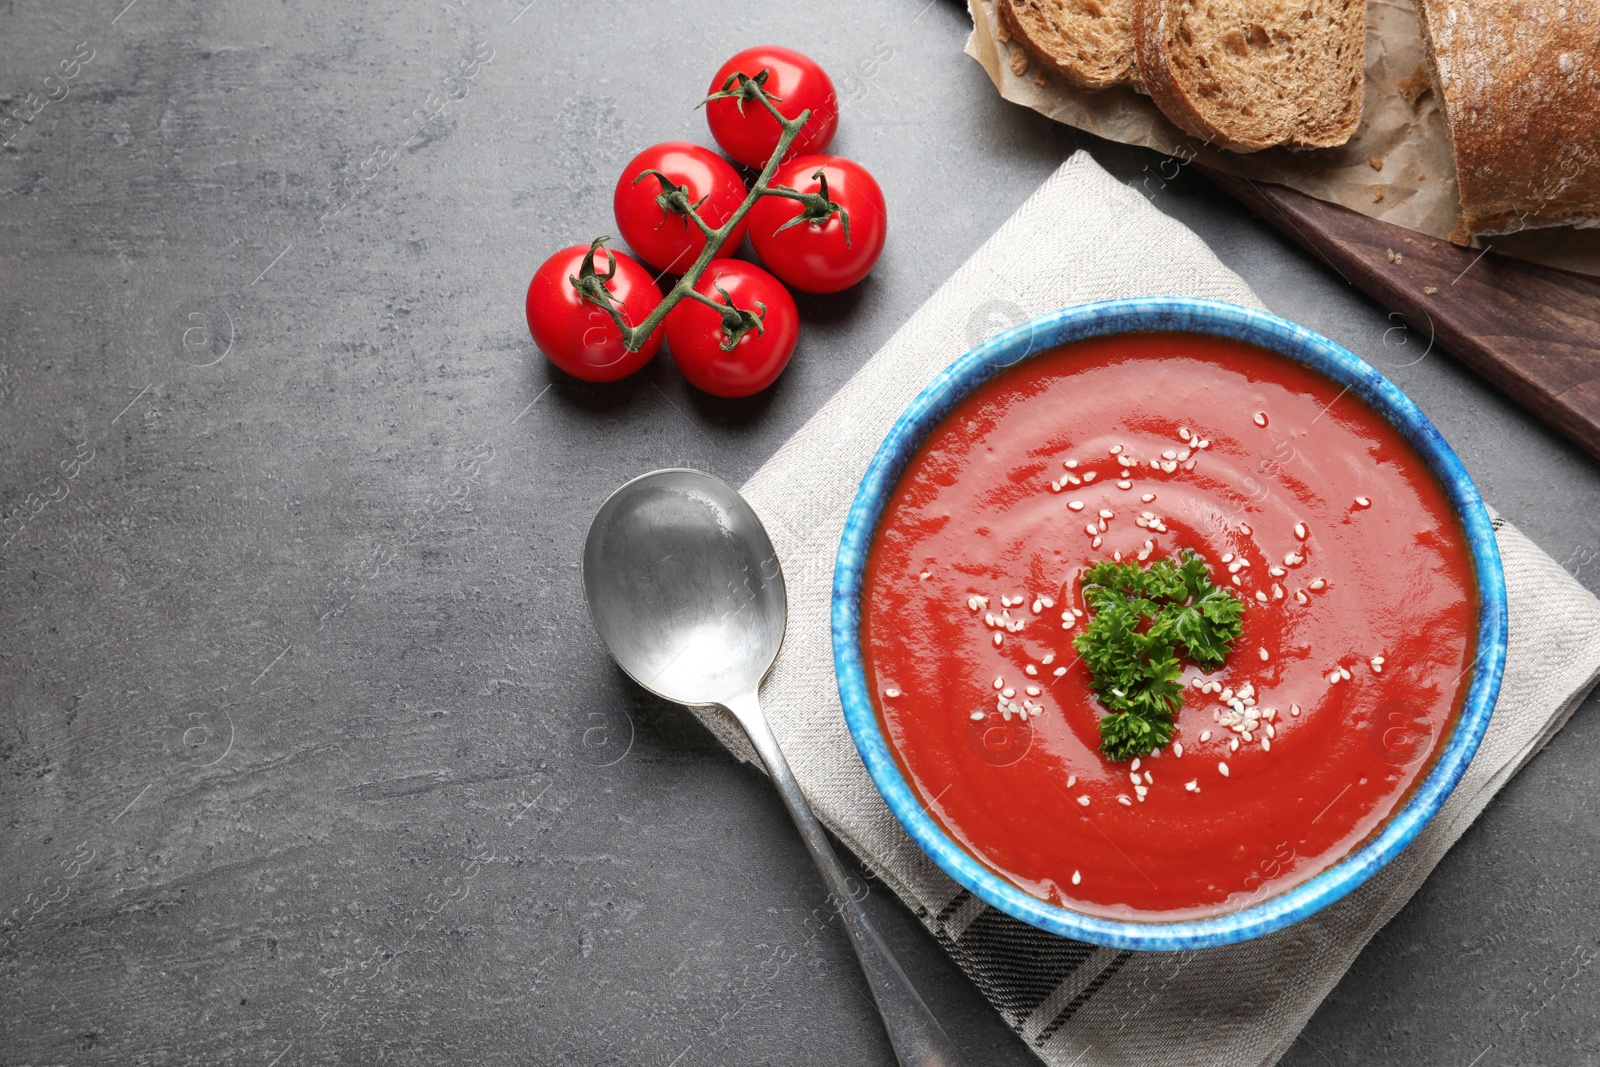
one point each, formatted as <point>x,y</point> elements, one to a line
<point>685,588</point>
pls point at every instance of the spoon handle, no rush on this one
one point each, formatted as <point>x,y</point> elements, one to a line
<point>917,1037</point>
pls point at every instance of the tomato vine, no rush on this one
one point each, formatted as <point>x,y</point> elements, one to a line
<point>814,206</point>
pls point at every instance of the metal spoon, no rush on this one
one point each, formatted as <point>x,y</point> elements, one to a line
<point>686,591</point>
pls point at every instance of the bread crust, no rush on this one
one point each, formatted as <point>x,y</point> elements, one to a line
<point>1153,32</point>
<point>1519,81</point>
<point>1030,23</point>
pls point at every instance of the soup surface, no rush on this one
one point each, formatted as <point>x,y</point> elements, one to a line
<point>1353,661</point>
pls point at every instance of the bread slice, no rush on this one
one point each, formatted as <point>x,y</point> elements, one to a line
<point>1520,85</point>
<point>1087,42</point>
<point>1250,74</point>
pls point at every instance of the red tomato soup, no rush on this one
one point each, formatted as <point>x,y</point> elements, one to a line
<point>1354,660</point>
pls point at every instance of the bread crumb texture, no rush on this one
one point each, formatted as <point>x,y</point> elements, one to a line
<point>1087,42</point>
<point>1250,74</point>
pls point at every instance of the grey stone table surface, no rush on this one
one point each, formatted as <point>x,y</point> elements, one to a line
<point>308,753</point>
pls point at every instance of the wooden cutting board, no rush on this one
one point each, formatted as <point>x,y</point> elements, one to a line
<point>1532,331</point>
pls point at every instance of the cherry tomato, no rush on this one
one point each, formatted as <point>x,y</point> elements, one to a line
<point>574,333</point>
<point>696,333</point>
<point>660,237</point>
<point>821,256</point>
<point>746,130</point>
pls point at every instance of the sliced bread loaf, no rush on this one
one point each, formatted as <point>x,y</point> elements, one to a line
<point>1087,42</point>
<point>1250,74</point>
<point>1520,85</point>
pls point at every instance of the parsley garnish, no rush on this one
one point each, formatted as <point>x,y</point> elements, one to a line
<point>1135,665</point>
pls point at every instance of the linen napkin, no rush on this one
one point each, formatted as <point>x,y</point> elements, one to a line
<point>1087,237</point>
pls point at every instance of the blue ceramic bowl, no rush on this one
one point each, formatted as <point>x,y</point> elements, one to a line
<point>1193,316</point>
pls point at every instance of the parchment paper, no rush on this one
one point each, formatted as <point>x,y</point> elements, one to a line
<point>1402,127</point>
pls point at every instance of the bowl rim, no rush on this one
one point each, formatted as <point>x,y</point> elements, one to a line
<point>1190,315</point>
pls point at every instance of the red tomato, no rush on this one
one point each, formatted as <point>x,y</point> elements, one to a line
<point>661,238</point>
<point>573,332</point>
<point>746,130</point>
<point>696,333</point>
<point>821,256</point>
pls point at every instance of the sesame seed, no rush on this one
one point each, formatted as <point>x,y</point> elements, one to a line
<point>1114,449</point>
<point>1141,791</point>
<point>1136,779</point>
<point>1077,876</point>
<point>999,682</point>
<point>1294,709</point>
<point>1272,731</point>
<point>1124,801</point>
<point>1148,497</point>
<point>925,575</point>
<point>1318,584</point>
<point>1106,513</point>
<point>997,639</point>
<point>1075,505</point>
<point>1235,566</point>
<point>1048,658</point>
<point>1237,580</point>
<point>1177,749</point>
<point>1170,454</point>
<point>1261,596</point>
<point>1034,691</point>
<point>1135,765</point>
<point>977,716</point>
<point>1189,466</point>
<point>1233,745</point>
<point>1147,779</point>
<point>1334,678</point>
<point>1070,464</point>
<point>1227,557</point>
<point>1183,455</point>
<point>1377,668</point>
<point>1155,464</point>
<point>1363,502</point>
<point>1192,785</point>
<point>1277,591</point>
<point>1124,484</point>
<point>1038,605</point>
<point>1222,769</point>
<point>1244,528</point>
<point>1169,466</point>
<point>1055,487</point>
<point>1300,531</point>
<point>1293,559</point>
<point>1031,671</point>
<point>1206,736</point>
<point>1091,529</point>
<point>1078,612</point>
<point>1059,671</point>
<point>1204,442</point>
<point>1262,652</point>
<point>1276,571</point>
<point>1266,744</point>
<point>1049,603</point>
<point>1008,692</point>
<point>1261,418</point>
<point>1095,543</point>
<point>1090,476</point>
<point>1084,800</point>
<point>1072,479</point>
<point>1183,433</point>
<point>1344,672</point>
<point>1301,597</point>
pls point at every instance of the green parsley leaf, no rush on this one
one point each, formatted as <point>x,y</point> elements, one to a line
<point>1143,620</point>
